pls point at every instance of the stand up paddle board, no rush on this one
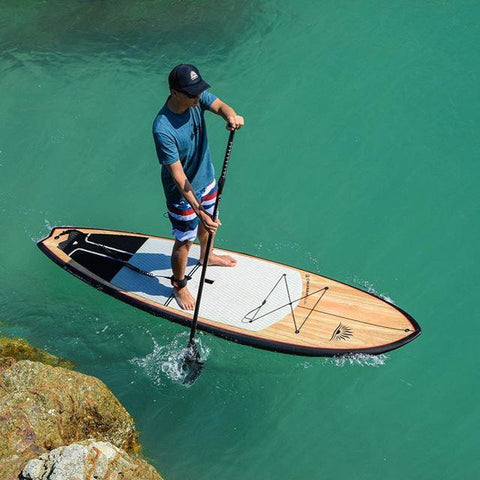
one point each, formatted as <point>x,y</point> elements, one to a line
<point>259,303</point>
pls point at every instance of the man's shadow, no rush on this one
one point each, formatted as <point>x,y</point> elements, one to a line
<point>151,262</point>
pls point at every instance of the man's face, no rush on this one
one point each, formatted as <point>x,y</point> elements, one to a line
<point>187,99</point>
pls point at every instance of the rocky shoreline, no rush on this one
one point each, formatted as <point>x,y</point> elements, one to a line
<point>59,424</point>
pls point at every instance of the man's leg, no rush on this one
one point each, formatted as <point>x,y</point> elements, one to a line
<point>179,264</point>
<point>213,259</point>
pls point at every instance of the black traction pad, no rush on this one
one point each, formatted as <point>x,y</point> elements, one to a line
<point>98,252</point>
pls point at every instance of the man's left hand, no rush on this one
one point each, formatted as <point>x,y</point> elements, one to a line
<point>235,122</point>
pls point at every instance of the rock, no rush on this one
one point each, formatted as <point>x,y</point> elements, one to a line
<point>22,350</point>
<point>44,407</point>
<point>88,460</point>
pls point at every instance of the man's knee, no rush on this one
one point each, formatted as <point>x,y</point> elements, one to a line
<point>183,244</point>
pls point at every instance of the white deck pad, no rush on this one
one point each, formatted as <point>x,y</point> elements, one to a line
<point>235,295</point>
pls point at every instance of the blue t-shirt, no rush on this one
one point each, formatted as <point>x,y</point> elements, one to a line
<point>183,136</point>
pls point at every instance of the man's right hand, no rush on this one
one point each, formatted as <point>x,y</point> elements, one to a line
<point>208,222</point>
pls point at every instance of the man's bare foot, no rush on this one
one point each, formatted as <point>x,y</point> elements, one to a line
<point>220,260</point>
<point>184,298</point>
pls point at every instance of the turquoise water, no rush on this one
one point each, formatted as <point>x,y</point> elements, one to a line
<point>359,160</point>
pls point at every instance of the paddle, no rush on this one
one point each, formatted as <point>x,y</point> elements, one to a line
<point>191,362</point>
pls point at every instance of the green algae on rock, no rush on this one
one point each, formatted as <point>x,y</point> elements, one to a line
<point>44,407</point>
<point>21,350</point>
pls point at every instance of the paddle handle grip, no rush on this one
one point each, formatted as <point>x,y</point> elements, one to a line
<point>223,175</point>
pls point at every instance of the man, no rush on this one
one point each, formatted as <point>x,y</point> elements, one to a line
<point>187,171</point>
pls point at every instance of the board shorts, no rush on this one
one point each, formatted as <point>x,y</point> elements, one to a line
<point>184,220</point>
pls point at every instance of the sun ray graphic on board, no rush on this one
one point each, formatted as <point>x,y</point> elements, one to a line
<point>342,332</point>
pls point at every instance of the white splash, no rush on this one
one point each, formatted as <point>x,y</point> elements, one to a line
<point>104,329</point>
<point>42,232</point>
<point>165,361</point>
<point>369,287</point>
<point>305,365</point>
<point>357,359</point>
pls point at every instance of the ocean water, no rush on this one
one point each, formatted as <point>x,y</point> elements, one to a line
<point>359,160</point>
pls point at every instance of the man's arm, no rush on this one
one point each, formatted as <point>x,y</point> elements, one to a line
<point>234,121</point>
<point>183,185</point>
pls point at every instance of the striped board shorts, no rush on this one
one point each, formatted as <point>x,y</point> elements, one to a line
<point>184,220</point>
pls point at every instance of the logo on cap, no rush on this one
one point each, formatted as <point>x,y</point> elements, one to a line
<point>193,75</point>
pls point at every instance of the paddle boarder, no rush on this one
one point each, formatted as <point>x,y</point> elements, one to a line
<point>188,177</point>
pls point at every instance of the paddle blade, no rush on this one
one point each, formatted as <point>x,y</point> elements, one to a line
<point>192,365</point>
<point>192,369</point>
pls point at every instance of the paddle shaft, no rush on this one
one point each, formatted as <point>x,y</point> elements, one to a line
<point>221,183</point>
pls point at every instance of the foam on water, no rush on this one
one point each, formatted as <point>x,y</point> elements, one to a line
<point>165,361</point>
<point>369,287</point>
<point>357,359</point>
<point>42,232</point>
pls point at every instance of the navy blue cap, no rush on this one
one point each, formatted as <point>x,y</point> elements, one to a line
<point>187,78</point>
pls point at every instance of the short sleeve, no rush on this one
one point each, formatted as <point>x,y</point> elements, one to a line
<point>167,151</point>
<point>206,99</point>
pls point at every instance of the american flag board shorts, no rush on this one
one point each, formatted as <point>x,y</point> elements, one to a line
<point>184,220</point>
